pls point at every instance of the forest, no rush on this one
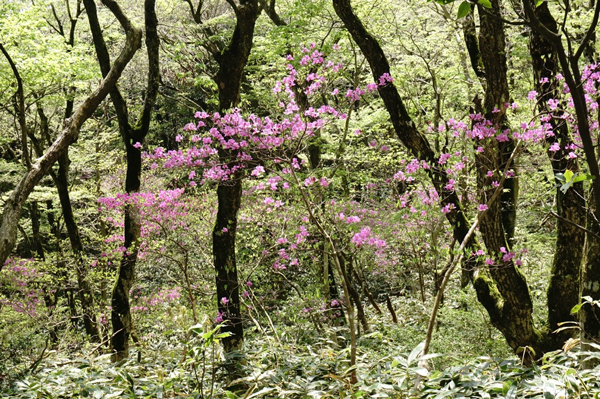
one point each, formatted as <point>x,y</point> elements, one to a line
<point>299,199</point>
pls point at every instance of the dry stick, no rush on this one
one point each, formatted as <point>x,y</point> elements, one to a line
<point>252,317</point>
<point>336,255</point>
<point>268,319</point>
<point>463,244</point>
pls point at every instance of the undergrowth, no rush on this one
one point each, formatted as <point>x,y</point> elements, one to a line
<point>297,361</point>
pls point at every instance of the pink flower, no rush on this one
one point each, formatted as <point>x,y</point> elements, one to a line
<point>220,317</point>
<point>224,301</point>
<point>447,208</point>
<point>385,79</point>
<point>258,171</point>
<point>137,145</point>
<point>482,207</point>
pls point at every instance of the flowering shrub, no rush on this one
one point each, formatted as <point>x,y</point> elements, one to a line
<point>21,288</point>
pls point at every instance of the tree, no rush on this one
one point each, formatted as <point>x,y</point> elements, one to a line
<point>501,289</point>
<point>133,137</point>
<point>231,60</point>
<point>541,22</point>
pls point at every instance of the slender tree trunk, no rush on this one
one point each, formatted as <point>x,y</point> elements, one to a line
<point>34,215</point>
<point>85,290</point>
<point>131,135</point>
<point>229,196</point>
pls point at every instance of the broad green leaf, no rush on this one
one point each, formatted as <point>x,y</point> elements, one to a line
<point>569,175</point>
<point>485,3</point>
<point>463,9</point>
<point>414,354</point>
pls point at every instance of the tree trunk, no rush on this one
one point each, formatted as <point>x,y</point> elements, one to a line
<point>232,62</point>
<point>131,135</point>
<point>229,195</point>
<point>568,255</point>
<point>85,291</point>
<point>492,44</point>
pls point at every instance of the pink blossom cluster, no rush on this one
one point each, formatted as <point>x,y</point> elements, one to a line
<point>148,303</point>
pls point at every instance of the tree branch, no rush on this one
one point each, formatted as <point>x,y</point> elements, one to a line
<point>19,107</point>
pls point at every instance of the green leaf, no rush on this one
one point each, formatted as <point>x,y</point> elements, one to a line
<point>538,2</point>
<point>414,354</point>
<point>583,177</point>
<point>569,175</point>
<point>485,3</point>
<point>463,10</point>
<point>566,186</point>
